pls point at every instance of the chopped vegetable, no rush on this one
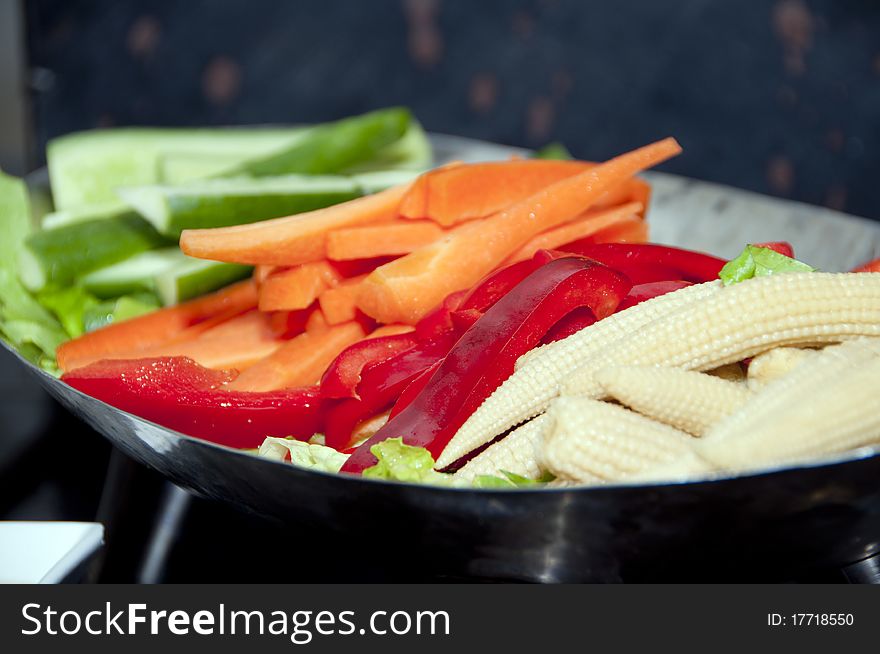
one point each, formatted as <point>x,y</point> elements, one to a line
<point>343,375</point>
<point>389,239</point>
<point>299,362</point>
<point>485,354</point>
<point>70,305</point>
<point>178,393</point>
<point>870,266</point>
<point>688,265</point>
<point>58,256</point>
<point>554,150</point>
<point>158,327</point>
<point>406,289</point>
<point>122,308</point>
<point>755,261</point>
<point>235,201</point>
<point>292,240</point>
<point>311,456</point>
<point>295,288</point>
<point>339,304</point>
<point>397,461</point>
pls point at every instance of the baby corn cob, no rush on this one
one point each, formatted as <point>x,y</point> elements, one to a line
<point>743,320</point>
<point>773,364</point>
<point>528,391</point>
<point>591,441</point>
<point>686,400</point>
<point>826,405</point>
<point>517,453</point>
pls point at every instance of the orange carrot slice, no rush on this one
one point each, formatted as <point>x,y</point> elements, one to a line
<point>449,196</point>
<point>339,304</point>
<point>389,239</point>
<point>588,224</point>
<point>407,288</point>
<point>291,240</point>
<point>296,288</point>
<point>390,330</point>
<point>316,322</point>
<point>299,362</point>
<point>630,230</point>
<point>261,273</point>
<point>236,343</point>
<point>157,327</point>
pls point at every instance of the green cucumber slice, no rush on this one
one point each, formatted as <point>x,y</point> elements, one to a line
<point>196,277</point>
<point>332,147</point>
<point>411,152</point>
<point>58,256</point>
<point>116,310</point>
<point>81,214</point>
<point>87,167</point>
<point>224,202</point>
<point>133,275</point>
<point>381,179</point>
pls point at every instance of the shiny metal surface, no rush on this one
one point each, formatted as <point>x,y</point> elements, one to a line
<point>793,519</point>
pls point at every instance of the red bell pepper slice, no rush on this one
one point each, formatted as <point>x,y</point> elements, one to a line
<point>343,375</point>
<point>414,388</point>
<point>439,320</point>
<point>691,266</point>
<point>178,393</point>
<point>381,384</point>
<point>644,292</point>
<point>485,355</point>
<point>869,266</point>
<point>782,247</point>
<point>573,322</point>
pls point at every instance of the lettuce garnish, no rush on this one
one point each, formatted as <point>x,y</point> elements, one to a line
<point>303,454</point>
<point>759,262</point>
<point>398,461</point>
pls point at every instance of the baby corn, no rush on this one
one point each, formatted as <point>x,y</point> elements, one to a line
<point>517,453</point>
<point>825,406</point>
<point>591,441</point>
<point>528,391</point>
<point>773,364</point>
<point>743,320</point>
<point>686,400</point>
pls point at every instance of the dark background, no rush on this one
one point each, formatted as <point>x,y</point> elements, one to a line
<point>781,97</point>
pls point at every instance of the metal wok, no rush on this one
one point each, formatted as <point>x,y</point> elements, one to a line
<point>762,526</point>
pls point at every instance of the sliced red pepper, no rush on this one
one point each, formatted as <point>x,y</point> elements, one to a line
<point>650,290</point>
<point>381,384</point>
<point>343,375</point>
<point>414,388</point>
<point>782,247</point>
<point>439,320</point>
<point>691,266</point>
<point>485,354</point>
<point>646,273</point>
<point>573,322</point>
<point>178,393</point>
<point>869,266</point>
<point>287,324</point>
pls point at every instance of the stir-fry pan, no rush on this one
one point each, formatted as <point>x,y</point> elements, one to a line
<point>770,524</point>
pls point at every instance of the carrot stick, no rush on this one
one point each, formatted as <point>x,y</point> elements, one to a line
<point>630,230</point>
<point>236,343</point>
<point>339,304</point>
<point>407,288</point>
<point>299,362</point>
<point>452,195</point>
<point>261,273</point>
<point>316,322</point>
<point>291,240</point>
<point>295,288</point>
<point>390,330</point>
<point>157,327</point>
<point>381,240</point>
<point>589,223</point>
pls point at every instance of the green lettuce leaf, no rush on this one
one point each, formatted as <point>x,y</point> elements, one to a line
<point>70,306</point>
<point>511,480</point>
<point>303,454</point>
<point>759,262</point>
<point>102,314</point>
<point>400,462</point>
<point>555,150</point>
<point>24,323</point>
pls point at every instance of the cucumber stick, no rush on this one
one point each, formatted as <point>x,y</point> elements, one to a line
<point>332,147</point>
<point>58,256</point>
<point>235,201</point>
<point>167,272</point>
<point>86,167</point>
<point>196,277</point>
